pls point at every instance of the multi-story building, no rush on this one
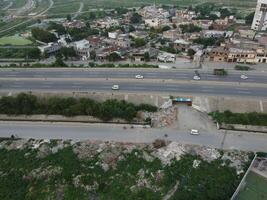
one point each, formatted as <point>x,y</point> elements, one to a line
<point>260,17</point>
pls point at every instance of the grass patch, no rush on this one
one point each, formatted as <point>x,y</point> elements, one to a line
<point>255,188</point>
<point>14,40</point>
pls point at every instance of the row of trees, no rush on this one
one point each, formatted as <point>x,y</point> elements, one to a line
<point>29,104</point>
<point>253,118</point>
<point>26,53</point>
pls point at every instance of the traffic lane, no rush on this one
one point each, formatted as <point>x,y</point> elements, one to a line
<point>190,88</point>
<point>110,132</point>
<point>249,141</point>
<point>104,132</point>
<point>148,74</point>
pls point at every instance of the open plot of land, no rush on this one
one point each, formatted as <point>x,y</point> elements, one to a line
<point>108,170</point>
<point>256,188</point>
<point>18,3</point>
<point>14,40</point>
<point>64,8</point>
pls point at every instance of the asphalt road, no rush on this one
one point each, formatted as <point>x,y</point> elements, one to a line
<point>126,73</point>
<point>107,132</point>
<point>130,86</point>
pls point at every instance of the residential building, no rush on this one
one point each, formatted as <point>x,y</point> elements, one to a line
<point>166,57</point>
<point>123,41</point>
<point>50,48</point>
<point>247,33</point>
<point>114,34</point>
<point>181,44</point>
<point>74,24</point>
<point>232,54</point>
<point>241,55</point>
<point>82,48</point>
<point>218,54</point>
<point>139,34</point>
<point>171,34</point>
<point>260,17</point>
<point>261,55</point>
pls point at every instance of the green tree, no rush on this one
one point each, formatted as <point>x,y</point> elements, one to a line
<point>190,28</point>
<point>43,35</point>
<point>67,52</point>
<point>114,57</point>
<point>69,17</point>
<point>147,57</point>
<point>249,18</point>
<point>93,55</point>
<point>33,53</point>
<point>139,42</point>
<point>136,18</point>
<point>191,53</point>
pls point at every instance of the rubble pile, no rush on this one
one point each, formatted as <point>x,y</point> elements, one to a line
<point>43,173</point>
<point>169,152</point>
<point>165,117</point>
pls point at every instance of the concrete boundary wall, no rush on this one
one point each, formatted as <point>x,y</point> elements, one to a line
<point>240,127</point>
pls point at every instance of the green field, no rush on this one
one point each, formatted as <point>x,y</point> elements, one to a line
<point>255,189</point>
<point>14,40</point>
<point>89,4</point>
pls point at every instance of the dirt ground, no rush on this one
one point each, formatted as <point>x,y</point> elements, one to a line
<point>189,118</point>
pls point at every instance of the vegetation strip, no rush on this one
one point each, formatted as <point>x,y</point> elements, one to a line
<point>27,104</point>
<point>253,118</point>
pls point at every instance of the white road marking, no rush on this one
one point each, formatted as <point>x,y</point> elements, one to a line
<point>243,92</point>
<point>206,90</point>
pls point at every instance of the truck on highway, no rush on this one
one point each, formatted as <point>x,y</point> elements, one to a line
<point>220,72</point>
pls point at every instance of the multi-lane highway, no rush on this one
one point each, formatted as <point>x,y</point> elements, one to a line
<point>129,73</point>
<point>155,80</point>
<point>128,86</point>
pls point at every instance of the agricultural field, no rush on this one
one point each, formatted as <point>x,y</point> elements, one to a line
<point>14,40</point>
<point>255,188</point>
<point>98,4</point>
<point>64,8</point>
<point>56,169</point>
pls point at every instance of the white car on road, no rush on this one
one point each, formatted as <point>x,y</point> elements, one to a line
<point>197,78</point>
<point>194,132</point>
<point>115,87</point>
<point>243,76</point>
<point>139,76</point>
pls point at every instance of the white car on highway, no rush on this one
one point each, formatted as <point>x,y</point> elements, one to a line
<point>243,76</point>
<point>115,87</point>
<point>197,78</point>
<point>139,76</point>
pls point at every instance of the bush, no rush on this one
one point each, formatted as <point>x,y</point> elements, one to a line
<point>242,68</point>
